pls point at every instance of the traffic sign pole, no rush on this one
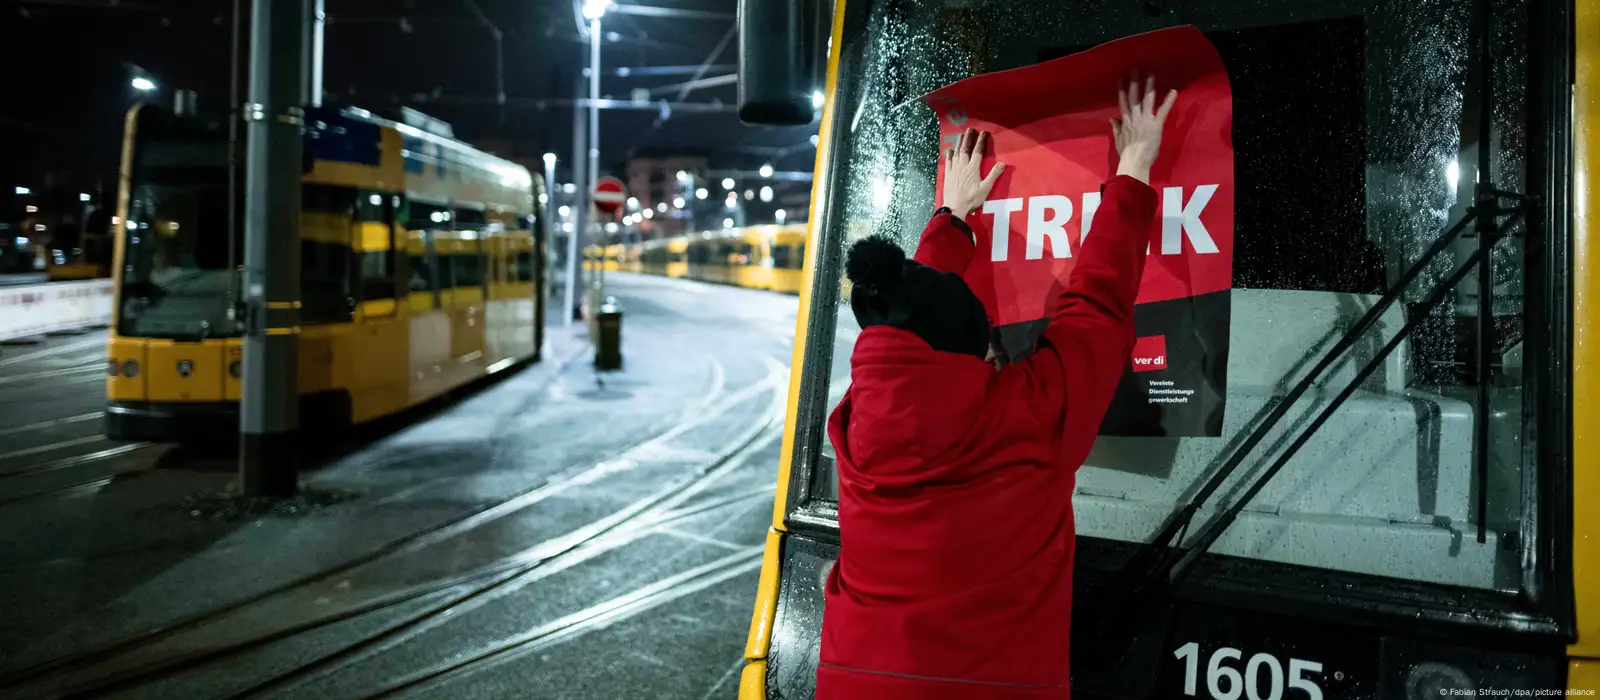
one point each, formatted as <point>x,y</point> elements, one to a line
<point>608,196</point>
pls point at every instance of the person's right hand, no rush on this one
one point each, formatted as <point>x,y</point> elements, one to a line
<point>1137,134</point>
<point>965,186</point>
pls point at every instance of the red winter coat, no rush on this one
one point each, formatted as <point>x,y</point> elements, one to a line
<point>954,577</point>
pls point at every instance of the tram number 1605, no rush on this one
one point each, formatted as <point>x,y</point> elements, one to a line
<point>1263,676</point>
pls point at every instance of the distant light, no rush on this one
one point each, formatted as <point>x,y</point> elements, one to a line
<point>701,193</point>
<point>814,139</point>
<point>727,183</point>
<point>611,228</point>
<point>727,223</point>
<point>566,227</point>
<point>22,240</point>
<point>544,198</point>
<point>569,188</point>
<point>595,9</point>
<point>32,209</point>
<point>436,217</point>
<point>564,210</point>
<point>116,221</point>
<point>677,202</point>
<point>1452,174</point>
<point>649,213</point>
<point>84,197</point>
<point>683,176</point>
<point>766,170</point>
<point>780,215</point>
<point>749,195</point>
<point>613,36</point>
<point>23,190</point>
<point>817,98</point>
<point>633,202</point>
<point>132,224</point>
<point>766,194</point>
<point>549,160</point>
<point>661,207</point>
<point>377,199</point>
<point>143,84</point>
<point>882,190</point>
<point>733,200</point>
<point>40,227</point>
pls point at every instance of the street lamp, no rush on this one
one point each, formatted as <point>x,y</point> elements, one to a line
<point>766,170</point>
<point>595,9</point>
<point>701,193</point>
<point>727,183</point>
<point>143,84</point>
<point>766,194</point>
<point>817,99</point>
<point>780,215</point>
<point>23,190</point>
<point>677,202</point>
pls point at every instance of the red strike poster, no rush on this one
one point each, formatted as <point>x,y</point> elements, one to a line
<point>1050,124</point>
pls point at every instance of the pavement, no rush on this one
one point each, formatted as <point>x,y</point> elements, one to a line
<point>554,534</point>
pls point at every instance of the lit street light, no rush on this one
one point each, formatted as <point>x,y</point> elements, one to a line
<point>727,183</point>
<point>677,202</point>
<point>633,203</point>
<point>23,190</point>
<point>766,194</point>
<point>84,196</point>
<point>766,170</point>
<point>780,215</point>
<point>143,84</point>
<point>701,193</point>
<point>817,99</point>
<point>595,9</point>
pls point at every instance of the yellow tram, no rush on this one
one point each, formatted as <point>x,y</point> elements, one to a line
<point>421,271</point>
<point>764,257</point>
<point>1390,559</point>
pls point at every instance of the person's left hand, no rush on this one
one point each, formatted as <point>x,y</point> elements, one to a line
<point>965,188</point>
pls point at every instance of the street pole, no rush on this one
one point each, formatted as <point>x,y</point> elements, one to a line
<point>550,230</point>
<point>594,153</point>
<point>580,150</point>
<point>269,403</point>
<point>319,20</point>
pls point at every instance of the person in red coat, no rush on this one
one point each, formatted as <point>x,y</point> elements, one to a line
<point>956,471</point>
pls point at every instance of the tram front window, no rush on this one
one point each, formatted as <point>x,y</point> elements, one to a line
<point>179,256</point>
<point>1355,139</point>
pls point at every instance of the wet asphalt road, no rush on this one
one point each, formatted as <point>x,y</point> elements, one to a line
<point>552,535</point>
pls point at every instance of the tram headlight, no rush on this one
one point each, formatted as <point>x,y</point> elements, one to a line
<point>112,368</point>
<point>130,369</point>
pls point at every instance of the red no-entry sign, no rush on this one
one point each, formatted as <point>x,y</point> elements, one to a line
<point>609,195</point>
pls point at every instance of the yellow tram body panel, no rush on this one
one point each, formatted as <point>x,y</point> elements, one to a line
<point>1582,667</point>
<point>446,291</point>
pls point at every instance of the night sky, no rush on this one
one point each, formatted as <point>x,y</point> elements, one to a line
<point>69,64</point>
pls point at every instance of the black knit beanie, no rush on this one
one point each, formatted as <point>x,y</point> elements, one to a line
<point>889,290</point>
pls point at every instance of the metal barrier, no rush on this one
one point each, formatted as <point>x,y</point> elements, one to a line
<point>59,306</point>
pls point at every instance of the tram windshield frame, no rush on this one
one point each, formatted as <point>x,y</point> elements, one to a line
<point>1536,598</point>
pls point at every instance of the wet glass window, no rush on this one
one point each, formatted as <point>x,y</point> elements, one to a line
<point>524,266</point>
<point>1355,139</point>
<point>469,269</point>
<point>325,289</point>
<point>470,219</point>
<point>422,279</point>
<point>423,216</point>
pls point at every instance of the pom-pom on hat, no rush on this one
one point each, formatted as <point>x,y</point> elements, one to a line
<point>889,290</point>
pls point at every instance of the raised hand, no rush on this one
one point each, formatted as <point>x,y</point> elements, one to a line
<point>965,187</point>
<point>1137,135</point>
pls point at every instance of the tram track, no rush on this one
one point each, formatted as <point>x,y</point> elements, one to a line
<point>476,587</point>
<point>414,542</point>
